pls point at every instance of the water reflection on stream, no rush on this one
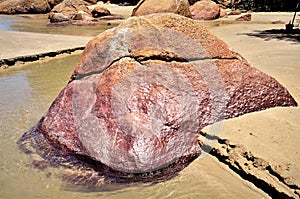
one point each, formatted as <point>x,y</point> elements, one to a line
<point>38,23</point>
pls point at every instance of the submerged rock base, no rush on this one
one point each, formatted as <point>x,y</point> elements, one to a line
<point>83,173</point>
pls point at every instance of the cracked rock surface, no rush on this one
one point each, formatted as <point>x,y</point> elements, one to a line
<point>143,91</point>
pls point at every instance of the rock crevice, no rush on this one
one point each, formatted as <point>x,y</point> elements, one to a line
<point>250,167</point>
<point>162,56</point>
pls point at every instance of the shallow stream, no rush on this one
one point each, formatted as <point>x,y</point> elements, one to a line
<point>39,24</point>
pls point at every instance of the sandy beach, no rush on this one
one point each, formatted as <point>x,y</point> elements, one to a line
<point>21,47</point>
<point>262,147</point>
<point>15,44</point>
<point>271,136</point>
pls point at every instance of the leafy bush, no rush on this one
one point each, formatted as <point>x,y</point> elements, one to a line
<point>262,5</point>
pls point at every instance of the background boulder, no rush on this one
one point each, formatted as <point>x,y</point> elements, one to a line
<point>58,17</point>
<point>99,11</point>
<point>69,8</point>
<point>24,6</point>
<point>205,9</point>
<point>146,7</point>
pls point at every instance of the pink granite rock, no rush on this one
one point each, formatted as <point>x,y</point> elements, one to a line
<point>143,91</point>
<point>146,7</point>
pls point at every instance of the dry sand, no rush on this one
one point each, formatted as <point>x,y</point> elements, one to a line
<point>271,137</point>
<point>25,46</point>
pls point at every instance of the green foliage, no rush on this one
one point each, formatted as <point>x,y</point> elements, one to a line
<point>263,5</point>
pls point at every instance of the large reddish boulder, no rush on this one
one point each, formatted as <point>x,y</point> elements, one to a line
<point>205,9</point>
<point>142,92</point>
<point>147,7</point>
<point>24,6</point>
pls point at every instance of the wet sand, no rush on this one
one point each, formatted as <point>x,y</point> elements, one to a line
<point>21,47</point>
<point>263,145</point>
<point>24,44</point>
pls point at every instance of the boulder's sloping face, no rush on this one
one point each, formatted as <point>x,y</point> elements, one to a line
<point>146,7</point>
<point>142,92</point>
<point>24,6</point>
<point>205,9</point>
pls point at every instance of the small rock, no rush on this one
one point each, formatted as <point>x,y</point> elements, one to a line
<point>100,12</point>
<point>223,12</point>
<point>234,12</point>
<point>278,22</point>
<point>147,7</point>
<point>81,15</point>
<point>246,17</point>
<point>58,17</point>
<point>260,163</point>
<point>206,10</point>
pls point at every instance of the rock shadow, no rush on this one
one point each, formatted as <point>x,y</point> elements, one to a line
<point>279,34</point>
